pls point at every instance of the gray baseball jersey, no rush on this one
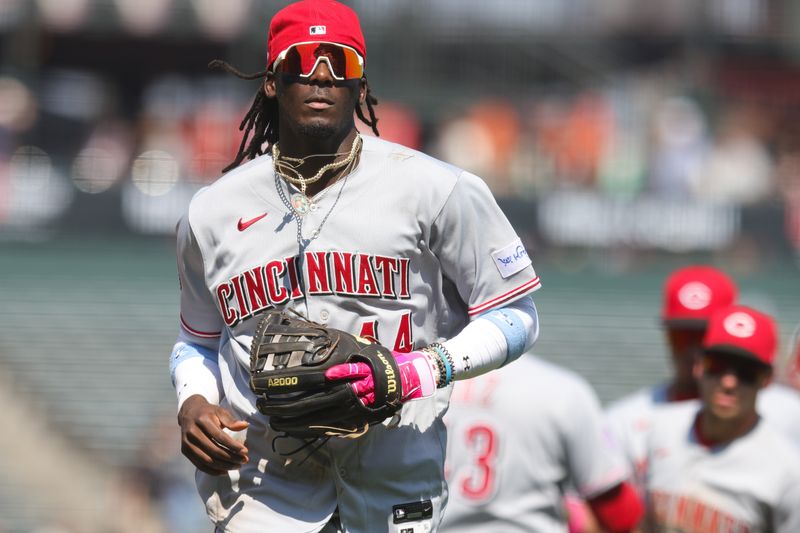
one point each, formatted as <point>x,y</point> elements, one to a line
<point>516,437</point>
<point>749,485</point>
<point>628,419</point>
<point>407,249</point>
<point>780,406</point>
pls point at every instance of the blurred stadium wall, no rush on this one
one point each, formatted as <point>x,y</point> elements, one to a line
<point>623,139</point>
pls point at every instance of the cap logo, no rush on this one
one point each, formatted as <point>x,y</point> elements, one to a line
<point>739,325</point>
<point>695,295</point>
<point>317,30</point>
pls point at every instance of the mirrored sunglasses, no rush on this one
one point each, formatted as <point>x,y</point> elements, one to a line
<point>302,60</point>
<point>746,372</point>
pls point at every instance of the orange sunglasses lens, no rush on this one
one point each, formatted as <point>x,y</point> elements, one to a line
<point>302,59</point>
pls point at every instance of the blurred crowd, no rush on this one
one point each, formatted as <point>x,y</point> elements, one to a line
<point>669,113</point>
<point>645,133</point>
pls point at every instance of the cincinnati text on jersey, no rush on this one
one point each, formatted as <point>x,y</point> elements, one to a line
<point>689,514</point>
<point>277,281</point>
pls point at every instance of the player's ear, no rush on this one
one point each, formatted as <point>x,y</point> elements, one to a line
<point>766,380</point>
<point>362,90</point>
<point>270,88</point>
<point>697,369</point>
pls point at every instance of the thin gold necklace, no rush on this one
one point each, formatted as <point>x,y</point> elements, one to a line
<point>302,241</point>
<point>287,168</point>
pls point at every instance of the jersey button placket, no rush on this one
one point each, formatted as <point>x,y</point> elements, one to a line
<point>324,315</point>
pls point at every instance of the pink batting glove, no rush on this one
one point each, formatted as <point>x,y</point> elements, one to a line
<point>416,377</point>
<point>360,375</point>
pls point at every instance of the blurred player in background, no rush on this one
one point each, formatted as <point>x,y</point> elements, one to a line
<point>364,236</point>
<point>690,295</point>
<point>716,466</point>
<point>517,437</point>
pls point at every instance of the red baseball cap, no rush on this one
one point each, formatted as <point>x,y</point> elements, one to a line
<point>693,293</point>
<point>742,331</point>
<point>306,21</point>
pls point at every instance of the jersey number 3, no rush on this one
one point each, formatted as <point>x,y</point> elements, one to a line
<point>477,478</point>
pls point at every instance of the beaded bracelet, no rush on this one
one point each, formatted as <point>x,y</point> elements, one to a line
<point>437,366</point>
<point>446,364</point>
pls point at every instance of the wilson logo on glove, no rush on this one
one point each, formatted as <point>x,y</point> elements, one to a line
<point>391,380</point>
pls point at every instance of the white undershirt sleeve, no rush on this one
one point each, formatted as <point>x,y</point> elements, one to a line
<point>194,370</point>
<point>494,339</point>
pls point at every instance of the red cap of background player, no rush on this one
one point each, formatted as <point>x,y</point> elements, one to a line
<point>742,331</point>
<point>314,20</point>
<point>693,293</point>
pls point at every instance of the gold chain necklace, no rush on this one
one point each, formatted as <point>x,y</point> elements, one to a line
<point>287,168</point>
<point>303,242</point>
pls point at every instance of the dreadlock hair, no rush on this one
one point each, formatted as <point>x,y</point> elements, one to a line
<point>260,123</point>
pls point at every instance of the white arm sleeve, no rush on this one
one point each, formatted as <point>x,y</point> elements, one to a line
<point>193,364</point>
<point>194,370</point>
<point>494,339</point>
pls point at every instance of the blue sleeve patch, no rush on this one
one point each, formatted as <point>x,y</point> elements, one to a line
<point>513,330</point>
<point>184,350</point>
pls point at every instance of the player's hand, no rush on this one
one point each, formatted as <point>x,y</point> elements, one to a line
<point>203,440</point>
<point>416,377</point>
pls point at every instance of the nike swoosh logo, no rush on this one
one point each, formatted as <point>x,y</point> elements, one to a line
<point>244,224</point>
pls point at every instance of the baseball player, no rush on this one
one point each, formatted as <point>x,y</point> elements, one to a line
<point>690,295</point>
<point>716,466</point>
<point>516,438</point>
<point>357,234</point>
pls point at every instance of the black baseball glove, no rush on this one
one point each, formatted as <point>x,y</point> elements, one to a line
<point>288,359</point>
